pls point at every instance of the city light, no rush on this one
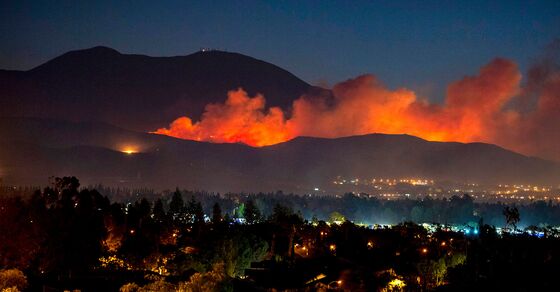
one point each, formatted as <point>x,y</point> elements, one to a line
<point>405,188</point>
<point>396,285</point>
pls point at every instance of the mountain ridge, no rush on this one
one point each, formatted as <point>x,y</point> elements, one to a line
<point>80,113</point>
<point>141,92</point>
<point>94,152</point>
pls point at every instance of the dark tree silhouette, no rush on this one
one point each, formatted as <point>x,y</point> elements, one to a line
<point>195,212</point>
<point>252,212</point>
<point>75,225</point>
<point>159,211</point>
<point>512,216</point>
<point>176,206</point>
<point>217,213</point>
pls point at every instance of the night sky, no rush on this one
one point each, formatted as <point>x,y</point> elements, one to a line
<point>421,45</point>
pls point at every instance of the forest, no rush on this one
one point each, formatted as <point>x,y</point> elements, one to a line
<point>68,237</point>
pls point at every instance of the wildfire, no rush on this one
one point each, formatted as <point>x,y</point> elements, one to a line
<point>241,119</point>
<point>130,150</point>
<point>476,108</point>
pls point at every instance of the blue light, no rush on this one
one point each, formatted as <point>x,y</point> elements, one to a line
<point>475,231</point>
<point>467,231</point>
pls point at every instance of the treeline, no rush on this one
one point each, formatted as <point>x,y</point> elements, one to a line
<point>354,207</point>
<point>63,232</point>
<point>364,209</point>
<point>64,237</point>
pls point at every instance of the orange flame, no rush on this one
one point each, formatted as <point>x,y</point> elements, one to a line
<point>476,108</point>
<point>241,119</point>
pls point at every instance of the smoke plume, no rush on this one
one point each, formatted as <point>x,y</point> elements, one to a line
<point>492,106</point>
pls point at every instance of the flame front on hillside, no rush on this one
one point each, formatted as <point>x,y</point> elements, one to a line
<point>486,108</point>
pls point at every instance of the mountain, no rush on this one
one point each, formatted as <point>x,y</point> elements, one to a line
<point>140,92</point>
<point>34,149</point>
<point>58,119</point>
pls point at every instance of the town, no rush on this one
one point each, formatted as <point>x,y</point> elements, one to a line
<point>138,240</point>
<point>418,188</point>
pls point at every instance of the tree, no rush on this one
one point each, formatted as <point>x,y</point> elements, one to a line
<point>177,205</point>
<point>66,183</point>
<point>13,279</point>
<point>144,209</point>
<point>239,251</point>
<point>239,211</point>
<point>283,215</point>
<point>216,213</point>
<point>336,217</point>
<point>435,271</point>
<point>75,227</point>
<point>460,209</point>
<point>416,214</point>
<point>195,212</point>
<point>285,221</point>
<point>158,285</point>
<point>432,271</point>
<point>158,211</point>
<point>252,213</point>
<point>21,231</point>
<point>129,287</point>
<point>512,216</point>
<point>214,280</point>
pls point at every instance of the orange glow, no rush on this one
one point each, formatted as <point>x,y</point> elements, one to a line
<point>130,150</point>
<point>241,119</point>
<point>476,108</point>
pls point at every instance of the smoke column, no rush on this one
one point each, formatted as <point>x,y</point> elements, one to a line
<point>492,106</point>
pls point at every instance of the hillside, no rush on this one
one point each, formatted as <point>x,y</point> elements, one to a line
<point>34,149</point>
<point>140,92</point>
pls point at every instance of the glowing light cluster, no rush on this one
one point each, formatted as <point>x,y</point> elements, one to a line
<point>129,150</point>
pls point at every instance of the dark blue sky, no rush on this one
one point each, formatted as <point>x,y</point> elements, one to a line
<point>421,45</point>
